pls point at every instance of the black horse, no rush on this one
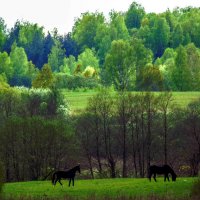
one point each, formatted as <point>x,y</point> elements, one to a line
<point>165,169</point>
<point>70,174</point>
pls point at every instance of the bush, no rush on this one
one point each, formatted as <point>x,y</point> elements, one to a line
<point>74,82</point>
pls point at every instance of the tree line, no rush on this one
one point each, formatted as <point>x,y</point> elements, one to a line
<point>135,49</point>
<point>117,135</point>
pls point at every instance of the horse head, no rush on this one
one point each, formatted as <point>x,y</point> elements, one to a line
<point>78,168</point>
<point>174,177</point>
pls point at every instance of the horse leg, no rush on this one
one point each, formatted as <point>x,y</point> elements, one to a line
<point>60,182</point>
<point>73,181</point>
<point>150,174</point>
<point>55,181</point>
<point>154,176</point>
<point>167,177</point>
<point>69,182</point>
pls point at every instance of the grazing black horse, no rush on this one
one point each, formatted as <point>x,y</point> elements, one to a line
<point>165,169</point>
<point>70,174</point>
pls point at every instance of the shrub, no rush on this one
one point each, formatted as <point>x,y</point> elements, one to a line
<point>74,82</point>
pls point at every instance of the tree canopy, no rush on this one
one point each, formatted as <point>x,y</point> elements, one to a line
<point>168,41</point>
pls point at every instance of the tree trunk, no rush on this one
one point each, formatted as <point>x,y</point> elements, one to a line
<point>124,172</point>
<point>165,136</point>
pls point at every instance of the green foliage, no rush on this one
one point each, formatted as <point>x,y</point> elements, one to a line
<point>32,71</point>
<point>31,133</point>
<point>161,34</point>
<point>76,82</point>
<point>134,16</point>
<point>44,79</point>
<point>27,33</point>
<point>30,102</point>
<point>31,38</point>
<point>118,27</point>
<point>89,72</point>
<point>145,33</point>
<point>3,35</point>
<point>143,56</point>
<point>152,79</point>
<point>103,40</point>
<point>88,58</point>
<point>182,74</point>
<point>3,82</point>
<point>19,60</point>
<point>85,29</point>
<point>36,100</point>
<point>193,63</point>
<point>171,19</point>
<point>25,47</point>
<point>166,66</point>
<point>69,65</point>
<point>177,36</point>
<point>6,65</point>
<point>190,26</point>
<point>56,56</point>
<point>120,65</point>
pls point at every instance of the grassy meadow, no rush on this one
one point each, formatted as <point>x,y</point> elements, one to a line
<point>78,100</point>
<point>100,188</point>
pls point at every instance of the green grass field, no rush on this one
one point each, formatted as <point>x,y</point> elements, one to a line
<point>100,188</point>
<point>78,100</point>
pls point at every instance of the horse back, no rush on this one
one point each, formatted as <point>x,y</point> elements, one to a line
<point>64,174</point>
<point>156,169</point>
<point>160,169</point>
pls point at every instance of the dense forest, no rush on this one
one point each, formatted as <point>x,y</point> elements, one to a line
<point>131,50</point>
<point>120,133</point>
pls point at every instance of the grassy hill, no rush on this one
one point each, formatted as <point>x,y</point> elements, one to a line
<point>78,100</point>
<point>100,188</point>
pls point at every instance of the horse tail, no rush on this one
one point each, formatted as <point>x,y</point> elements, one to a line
<point>53,178</point>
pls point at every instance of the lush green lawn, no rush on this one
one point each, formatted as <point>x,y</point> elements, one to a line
<point>101,188</point>
<point>78,100</point>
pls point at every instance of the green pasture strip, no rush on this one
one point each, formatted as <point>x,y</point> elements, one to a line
<point>78,100</point>
<point>184,98</point>
<point>99,188</point>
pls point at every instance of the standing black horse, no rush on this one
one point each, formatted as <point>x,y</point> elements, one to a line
<point>165,169</point>
<point>70,174</point>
